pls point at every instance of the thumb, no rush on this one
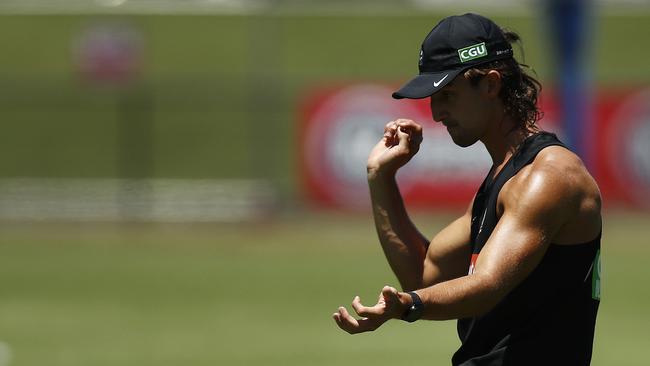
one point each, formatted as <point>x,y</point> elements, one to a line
<point>390,293</point>
<point>393,304</point>
<point>403,136</point>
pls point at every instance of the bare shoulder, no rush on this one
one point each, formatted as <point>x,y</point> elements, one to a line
<point>567,172</point>
<point>557,186</point>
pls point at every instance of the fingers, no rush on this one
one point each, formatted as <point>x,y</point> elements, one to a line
<point>403,132</point>
<point>346,319</point>
<point>390,133</point>
<point>404,124</point>
<point>407,124</point>
<point>394,309</point>
<point>351,325</point>
<point>366,311</point>
<point>411,129</point>
<point>389,292</point>
<point>371,316</point>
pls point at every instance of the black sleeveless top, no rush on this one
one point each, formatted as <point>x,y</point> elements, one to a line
<point>549,318</point>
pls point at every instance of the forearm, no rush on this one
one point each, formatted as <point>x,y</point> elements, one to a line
<point>462,297</point>
<point>403,245</point>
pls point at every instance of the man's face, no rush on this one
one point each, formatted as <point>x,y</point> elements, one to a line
<point>463,108</point>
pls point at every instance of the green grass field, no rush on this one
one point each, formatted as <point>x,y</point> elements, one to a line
<point>250,294</point>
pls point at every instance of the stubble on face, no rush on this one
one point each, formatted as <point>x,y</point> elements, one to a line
<point>457,108</point>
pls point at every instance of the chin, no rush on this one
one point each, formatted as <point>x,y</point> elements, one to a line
<point>463,142</point>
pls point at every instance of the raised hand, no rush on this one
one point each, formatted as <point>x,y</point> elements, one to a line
<point>401,141</point>
<point>389,306</point>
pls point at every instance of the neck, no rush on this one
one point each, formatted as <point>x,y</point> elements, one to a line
<point>501,142</point>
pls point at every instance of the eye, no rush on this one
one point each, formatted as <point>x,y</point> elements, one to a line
<point>442,97</point>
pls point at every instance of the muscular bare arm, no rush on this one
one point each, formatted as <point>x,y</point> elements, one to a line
<point>536,207</point>
<point>404,246</point>
<point>449,253</point>
<point>416,262</point>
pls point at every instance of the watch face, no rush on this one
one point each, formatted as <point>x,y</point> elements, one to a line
<point>414,312</point>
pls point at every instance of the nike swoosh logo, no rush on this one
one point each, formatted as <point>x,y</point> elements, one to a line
<point>436,83</point>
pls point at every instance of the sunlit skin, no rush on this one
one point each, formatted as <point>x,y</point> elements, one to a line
<point>552,200</point>
<point>450,105</point>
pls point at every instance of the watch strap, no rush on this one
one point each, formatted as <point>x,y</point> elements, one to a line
<point>414,312</point>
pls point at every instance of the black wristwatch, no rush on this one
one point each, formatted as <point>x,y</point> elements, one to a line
<point>414,312</point>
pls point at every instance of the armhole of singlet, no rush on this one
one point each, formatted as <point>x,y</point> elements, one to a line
<point>520,165</point>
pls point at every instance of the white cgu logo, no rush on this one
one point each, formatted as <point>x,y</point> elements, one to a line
<point>472,52</point>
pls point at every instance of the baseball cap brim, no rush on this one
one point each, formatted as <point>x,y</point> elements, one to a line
<point>426,84</point>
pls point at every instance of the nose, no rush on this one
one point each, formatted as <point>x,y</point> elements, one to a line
<point>437,113</point>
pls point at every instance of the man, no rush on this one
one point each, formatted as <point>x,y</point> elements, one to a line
<point>520,269</point>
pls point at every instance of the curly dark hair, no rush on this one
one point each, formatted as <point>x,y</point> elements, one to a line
<point>519,91</point>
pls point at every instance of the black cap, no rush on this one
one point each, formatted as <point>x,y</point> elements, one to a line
<point>455,44</point>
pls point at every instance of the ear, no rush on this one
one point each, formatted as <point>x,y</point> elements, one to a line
<point>492,83</point>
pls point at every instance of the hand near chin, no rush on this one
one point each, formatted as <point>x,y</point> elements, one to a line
<point>401,141</point>
<point>389,306</point>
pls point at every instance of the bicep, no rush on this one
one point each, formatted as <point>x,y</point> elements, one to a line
<point>449,253</point>
<point>513,251</point>
<point>524,232</point>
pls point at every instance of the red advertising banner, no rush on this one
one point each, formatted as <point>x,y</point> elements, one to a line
<point>621,148</point>
<point>340,125</point>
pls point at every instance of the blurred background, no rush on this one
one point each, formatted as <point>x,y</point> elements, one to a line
<point>183,181</point>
